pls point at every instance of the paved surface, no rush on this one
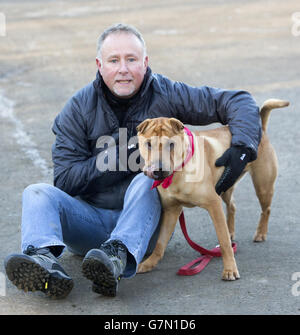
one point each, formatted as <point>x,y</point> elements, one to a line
<point>48,53</point>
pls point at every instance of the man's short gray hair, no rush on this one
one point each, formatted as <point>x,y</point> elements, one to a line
<point>118,28</point>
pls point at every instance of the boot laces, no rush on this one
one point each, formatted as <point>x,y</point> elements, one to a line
<point>112,248</point>
<point>31,250</point>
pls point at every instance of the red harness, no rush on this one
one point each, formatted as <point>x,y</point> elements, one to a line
<point>200,263</point>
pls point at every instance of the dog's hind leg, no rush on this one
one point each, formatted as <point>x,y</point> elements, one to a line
<point>263,173</point>
<point>230,209</point>
<point>265,199</point>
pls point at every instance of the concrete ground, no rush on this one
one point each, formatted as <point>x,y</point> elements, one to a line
<point>48,53</point>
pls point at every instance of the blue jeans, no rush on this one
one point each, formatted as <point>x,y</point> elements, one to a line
<point>51,217</point>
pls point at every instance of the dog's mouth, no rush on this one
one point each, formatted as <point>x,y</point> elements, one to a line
<point>156,173</point>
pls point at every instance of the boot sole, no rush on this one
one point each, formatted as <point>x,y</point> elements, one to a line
<point>30,276</point>
<point>102,276</point>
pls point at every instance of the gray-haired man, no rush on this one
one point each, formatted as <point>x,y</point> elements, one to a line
<point>110,215</point>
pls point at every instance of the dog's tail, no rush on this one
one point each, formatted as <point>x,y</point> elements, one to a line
<point>266,108</point>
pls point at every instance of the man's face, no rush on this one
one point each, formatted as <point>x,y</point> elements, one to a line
<point>123,65</point>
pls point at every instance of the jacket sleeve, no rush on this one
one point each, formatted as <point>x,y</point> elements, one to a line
<point>235,108</point>
<point>75,168</point>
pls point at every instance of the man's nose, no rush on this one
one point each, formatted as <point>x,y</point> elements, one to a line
<point>123,67</point>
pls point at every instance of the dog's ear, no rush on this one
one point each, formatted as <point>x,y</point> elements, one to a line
<point>176,125</point>
<point>142,126</point>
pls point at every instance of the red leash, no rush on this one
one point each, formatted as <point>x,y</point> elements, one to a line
<point>200,263</point>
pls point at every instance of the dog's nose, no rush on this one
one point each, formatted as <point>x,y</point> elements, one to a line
<point>160,174</point>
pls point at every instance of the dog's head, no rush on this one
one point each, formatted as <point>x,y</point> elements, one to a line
<point>160,144</point>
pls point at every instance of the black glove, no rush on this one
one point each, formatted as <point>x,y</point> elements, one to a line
<point>234,159</point>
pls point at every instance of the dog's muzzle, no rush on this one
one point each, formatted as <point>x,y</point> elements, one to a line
<point>156,172</point>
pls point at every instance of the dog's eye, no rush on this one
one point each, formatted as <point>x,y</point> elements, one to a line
<point>170,146</point>
<point>148,145</point>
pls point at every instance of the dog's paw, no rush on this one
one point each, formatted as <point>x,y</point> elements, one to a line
<point>259,237</point>
<point>145,267</point>
<point>230,274</point>
<point>232,236</point>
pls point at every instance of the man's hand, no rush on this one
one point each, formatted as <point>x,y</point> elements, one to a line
<point>234,159</point>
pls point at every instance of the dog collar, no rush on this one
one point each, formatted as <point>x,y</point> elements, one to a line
<point>165,183</point>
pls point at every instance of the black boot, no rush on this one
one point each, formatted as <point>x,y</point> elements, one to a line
<point>38,270</point>
<point>105,267</point>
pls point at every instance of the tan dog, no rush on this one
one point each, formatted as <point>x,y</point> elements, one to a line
<point>163,145</point>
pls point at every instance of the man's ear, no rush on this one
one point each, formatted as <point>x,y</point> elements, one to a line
<point>98,63</point>
<point>176,125</point>
<point>146,62</point>
<point>142,126</point>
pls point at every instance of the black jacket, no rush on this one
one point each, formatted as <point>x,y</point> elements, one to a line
<point>87,116</point>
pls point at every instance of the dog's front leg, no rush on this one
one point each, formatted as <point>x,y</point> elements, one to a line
<point>230,271</point>
<point>168,223</point>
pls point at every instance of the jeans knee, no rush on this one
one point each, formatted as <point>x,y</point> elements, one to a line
<point>140,188</point>
<point>37,191</point>
<point>36,188</point>
<point>141,182</point>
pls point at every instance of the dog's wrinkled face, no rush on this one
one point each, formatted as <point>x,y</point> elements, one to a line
<point>160,144</point>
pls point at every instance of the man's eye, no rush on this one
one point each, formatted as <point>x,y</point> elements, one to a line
<point>113,61</point>
<point>131,60</point>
